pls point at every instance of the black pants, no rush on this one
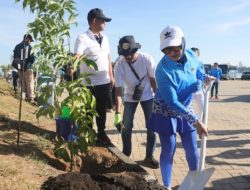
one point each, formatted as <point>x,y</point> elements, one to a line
<point>101,93</point>
<point>215,87</point>
<point>110,102</point>
<point>15,77</point>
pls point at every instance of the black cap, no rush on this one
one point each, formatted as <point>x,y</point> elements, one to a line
<point>28,36</point>
<point>97,13</point>
<point>127,45</point>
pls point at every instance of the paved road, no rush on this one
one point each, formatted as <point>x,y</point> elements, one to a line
<point>228,148</point>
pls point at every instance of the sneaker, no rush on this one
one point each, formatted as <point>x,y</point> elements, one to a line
<point>109,110</point>
<point>168,188</point>
<point>151,162</point>
<point>211,98</point>
<point>216,97</point>
<point>103,138</point>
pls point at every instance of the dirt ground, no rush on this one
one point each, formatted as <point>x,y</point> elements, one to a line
<point>33,166</point>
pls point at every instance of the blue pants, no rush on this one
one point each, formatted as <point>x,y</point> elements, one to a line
<point>168,146</point>
<point>128,117</point>
<point>215,87</point>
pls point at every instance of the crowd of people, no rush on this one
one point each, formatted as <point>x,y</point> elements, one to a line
<point>165,90</point>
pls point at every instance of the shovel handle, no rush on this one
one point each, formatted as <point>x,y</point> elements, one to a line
<point>208,87</point>
<point>205,121</point>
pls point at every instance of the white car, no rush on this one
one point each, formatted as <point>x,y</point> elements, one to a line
<point>232,74</point>
<point>238,76</point>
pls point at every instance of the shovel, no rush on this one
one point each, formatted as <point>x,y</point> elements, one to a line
<point>196,180</point>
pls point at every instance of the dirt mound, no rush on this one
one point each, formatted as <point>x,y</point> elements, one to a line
<point>111,181</point>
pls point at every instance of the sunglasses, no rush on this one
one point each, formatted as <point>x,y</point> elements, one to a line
<point>97,19</point>
<point>169,50</point>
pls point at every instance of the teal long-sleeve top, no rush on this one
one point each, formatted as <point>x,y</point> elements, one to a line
<point>175,84</point>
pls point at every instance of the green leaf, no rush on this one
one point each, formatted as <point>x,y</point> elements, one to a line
<point>73,148</point>
<point>83,145</point>
<point>90,63</point>
<point>91,136</point>
<point>72,18</point>
<point>32,5</point>
<point>62,153</point>
<point>81,130</point>
<point>93,102</point>
<point>41,5</point>
<point>59,143</point>
<point>65,156</point>
<point>74,115</point>
<point>54,7</point>
<point>25,3</point>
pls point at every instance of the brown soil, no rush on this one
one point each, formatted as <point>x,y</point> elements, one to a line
<point>111,181</point>
<point>33,166</point>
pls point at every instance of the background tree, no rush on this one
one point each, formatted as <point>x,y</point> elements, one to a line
<point>6,68</point>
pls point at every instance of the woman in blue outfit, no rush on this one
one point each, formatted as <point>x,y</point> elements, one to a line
<point>178,75</point>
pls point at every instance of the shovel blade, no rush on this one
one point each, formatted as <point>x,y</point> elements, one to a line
<point>196,180</point>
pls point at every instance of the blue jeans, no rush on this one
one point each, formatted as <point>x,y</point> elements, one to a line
<point>216,87</point>
<point>128,118</point>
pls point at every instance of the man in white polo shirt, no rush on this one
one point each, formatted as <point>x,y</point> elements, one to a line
<point>134,71</point>
<point>95,46</point>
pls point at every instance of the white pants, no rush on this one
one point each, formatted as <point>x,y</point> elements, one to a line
<point>198,99</point>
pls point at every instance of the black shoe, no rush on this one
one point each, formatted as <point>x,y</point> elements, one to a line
<point>103,138</point>
<point>31,101</point>
<point>151,162</point>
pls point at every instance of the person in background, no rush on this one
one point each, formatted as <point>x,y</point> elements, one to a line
<point>95,46</point>
<point>178,76</point>
<point>8,76</point>
<point>196,50</point>
<point>68,72</point>
<point>26,76</point>
<point>217,73</point>
<point>135,72</point>
<point>198,97</point>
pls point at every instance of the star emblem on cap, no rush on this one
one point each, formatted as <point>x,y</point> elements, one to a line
<point>167,35</point>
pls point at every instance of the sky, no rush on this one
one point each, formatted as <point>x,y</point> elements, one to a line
<point>220,29</point>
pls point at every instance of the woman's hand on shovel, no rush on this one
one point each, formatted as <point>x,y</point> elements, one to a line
<point>201,129</point>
